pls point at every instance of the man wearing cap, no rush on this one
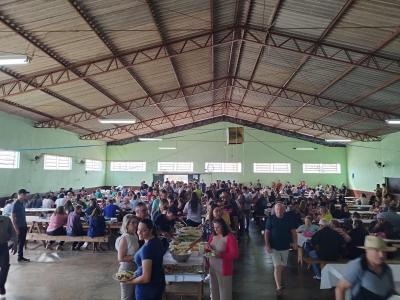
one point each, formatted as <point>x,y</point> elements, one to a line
<point>7,234</point>
<point>19,222</point>
<point>368,276</point>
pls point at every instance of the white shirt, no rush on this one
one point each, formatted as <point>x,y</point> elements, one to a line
<point>60,202</point>
<point>47,203</point>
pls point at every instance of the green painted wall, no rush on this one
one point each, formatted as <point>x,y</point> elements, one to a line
<point>361,159</point>
<point>208,144</point>
<point>18,134</point>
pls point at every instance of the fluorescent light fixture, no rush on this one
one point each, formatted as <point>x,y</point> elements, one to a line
<point>306,134</point>
<point>117,121</point>
<point>337,141</point>
<point>14,60</point>
<point>304,148</point>
<point>167,148</point>
<point>393,122</point>
<point>149,139</point>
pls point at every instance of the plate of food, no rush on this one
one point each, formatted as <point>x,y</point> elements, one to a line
<point>124,276</point>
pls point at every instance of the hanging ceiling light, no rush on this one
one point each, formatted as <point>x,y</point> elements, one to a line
<point>150,139</point>
<point>338,140</point>
<point>167,148</point>
<point>304,148</point>
<point>393,122</point>
<point>117,121</point>
<point>14,60</point>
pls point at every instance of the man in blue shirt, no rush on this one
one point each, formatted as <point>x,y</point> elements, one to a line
<point>280,231</point>
<point>19,222</point>
<point>110,211</point>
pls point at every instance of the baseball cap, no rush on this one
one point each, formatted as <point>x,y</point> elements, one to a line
<point>23,191</point>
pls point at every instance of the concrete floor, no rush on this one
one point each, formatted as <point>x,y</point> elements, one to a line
<point>84,275</point>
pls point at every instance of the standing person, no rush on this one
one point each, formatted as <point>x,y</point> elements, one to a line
<point>193,210</point>
<point>368,277</point>
<point>224,245</point>
<point>127,245</point>
<point>19,222</point>
<point>7,233</point>
<point>279,233</point>
<point>150,280</point>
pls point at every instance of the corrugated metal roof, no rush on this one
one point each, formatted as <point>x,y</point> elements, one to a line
<point>356,28</point>
<point>132,25</point>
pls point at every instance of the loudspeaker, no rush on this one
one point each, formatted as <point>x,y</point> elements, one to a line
<point>235,135</point>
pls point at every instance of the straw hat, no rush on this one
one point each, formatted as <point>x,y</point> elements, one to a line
<point>374,242</point>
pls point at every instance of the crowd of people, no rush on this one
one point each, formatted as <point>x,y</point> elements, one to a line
<point>296,215</point>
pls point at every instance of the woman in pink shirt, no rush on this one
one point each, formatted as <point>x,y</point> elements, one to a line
<point>223,245</point>
<point>56,226</point>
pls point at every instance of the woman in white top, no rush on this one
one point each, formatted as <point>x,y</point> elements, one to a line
<point>127,245</point>
<point>193,211</point>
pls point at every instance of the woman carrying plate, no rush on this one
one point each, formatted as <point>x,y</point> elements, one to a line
<point>127,245</point>
<point>149,277</point>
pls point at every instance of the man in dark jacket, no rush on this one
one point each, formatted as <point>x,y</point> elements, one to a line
<point>327,245</point>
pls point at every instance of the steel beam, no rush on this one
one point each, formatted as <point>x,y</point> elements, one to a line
<point>51,53</point>
<point>306,57</point>
<point>313,100</point>
<point>214,85</point>
<point>87,70</point>
<point>163,37</point>
<point>302,123</point>
<point>171,95</point>
<point>91,22</point>
<point>224,108</point>
<point>214,120</point>
<point>196,112</point>
<point>260,55</point>
<point>366,59</point>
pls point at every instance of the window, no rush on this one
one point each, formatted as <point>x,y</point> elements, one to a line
<point>9,159</point>
<point>175,166</point>
<point>219,167</point>
<point>271,168</point>
<point>128,166</point>
<point>321,168</point>
<point>54,162</point>
<point>93,165</point>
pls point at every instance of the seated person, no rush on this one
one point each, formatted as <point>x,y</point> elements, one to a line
<point>335,225</point>
<point>48,202</point>
<point>126,205</point>
<point>74,226</point>
<point>56,226</point>
<point>162,208</point>
<point>141,211</point>
<point>344,212</point>
<point>92,207</point>
<point>382,228</point>
<point>363,200</point>
<point>60,200</point>
<point>97,225</point>
<point>306,231</point>
<point>327,245</point>
<point>357,235</point>
<point>324,214</point>
<point>392,217</point>
<point>8,208</point>
<point>165,222</point>
<point>110,211</point>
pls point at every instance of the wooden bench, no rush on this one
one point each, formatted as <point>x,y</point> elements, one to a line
<point>65,238</point>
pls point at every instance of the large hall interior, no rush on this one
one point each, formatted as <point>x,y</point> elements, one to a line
<point>144,123</point>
